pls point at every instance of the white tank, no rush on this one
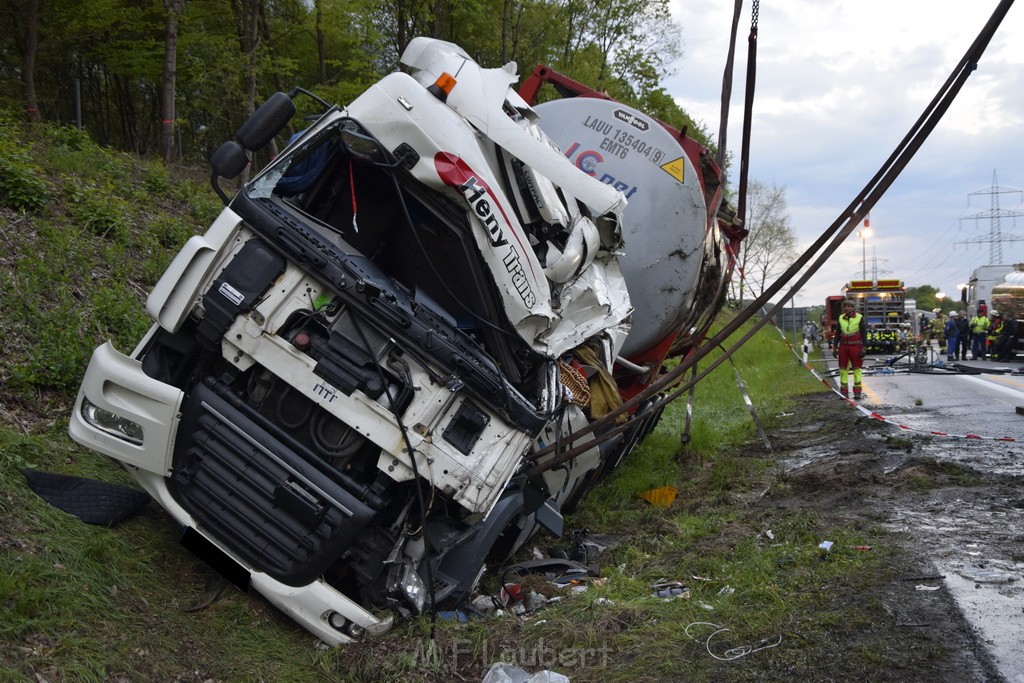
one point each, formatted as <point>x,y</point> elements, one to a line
<point>665,222</point>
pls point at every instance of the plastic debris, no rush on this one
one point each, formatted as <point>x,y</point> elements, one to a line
<point>670,589</point>
<point>825,545</point>
<point>511,593</point>
<point>986,574</point>
<point>534,601</point>
<point>703,578</point>
<point>502,672</point>
<point>596,544</point>
<point>726,590</point>
<point>484,604</point>
<point>660,497</point>
<point>922,587</point>
<point>454,615</point>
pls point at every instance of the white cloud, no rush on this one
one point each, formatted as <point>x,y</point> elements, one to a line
<point>839,84</point>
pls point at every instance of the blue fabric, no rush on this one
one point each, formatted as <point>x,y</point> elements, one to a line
<point>978,345</point>
<point>951,339</point>
<point>301,176</point>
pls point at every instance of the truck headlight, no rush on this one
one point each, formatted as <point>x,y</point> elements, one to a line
<point>415,589</point>
<point>111,423</point>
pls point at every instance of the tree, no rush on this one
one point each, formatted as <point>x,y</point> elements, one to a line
<point>172,11</point>
<point>182,75</point>
<point>926,298</point>
<point>636,39</point>
<point>771,243</point>
<point>26,38</point>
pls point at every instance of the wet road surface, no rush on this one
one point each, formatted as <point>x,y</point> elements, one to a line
<point>974,540</point>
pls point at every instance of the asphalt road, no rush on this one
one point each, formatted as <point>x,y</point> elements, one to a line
<point>974,542</point>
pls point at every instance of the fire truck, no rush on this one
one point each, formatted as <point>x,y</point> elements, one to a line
<point>882,303</point>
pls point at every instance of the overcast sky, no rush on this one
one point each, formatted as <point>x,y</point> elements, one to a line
<point>839,84</point>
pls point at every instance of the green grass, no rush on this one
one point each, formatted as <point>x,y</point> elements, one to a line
<point>85,233</point>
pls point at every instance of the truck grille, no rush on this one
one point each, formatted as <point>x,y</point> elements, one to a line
<point>258,496</point>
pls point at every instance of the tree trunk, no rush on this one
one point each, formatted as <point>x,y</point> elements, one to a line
<point>27,41</point>
<point>172,9</point>
<point>247,18</point>
<point>400,28</point>
<point>275,72</point>
<point>321,58</point>
<point>505,18</point>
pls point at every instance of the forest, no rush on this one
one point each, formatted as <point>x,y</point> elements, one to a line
<point>174,78</point>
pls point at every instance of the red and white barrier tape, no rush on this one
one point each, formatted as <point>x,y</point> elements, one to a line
<point>882,418</point>
<point>870,413</point>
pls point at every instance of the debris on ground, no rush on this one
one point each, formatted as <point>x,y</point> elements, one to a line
<point>502,672</point>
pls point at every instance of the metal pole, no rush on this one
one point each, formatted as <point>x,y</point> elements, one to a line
<point>792,312</point>
<point>864,256</point>
<point>78,104</point>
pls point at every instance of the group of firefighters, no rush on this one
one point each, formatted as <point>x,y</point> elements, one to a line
<point>986,334</point>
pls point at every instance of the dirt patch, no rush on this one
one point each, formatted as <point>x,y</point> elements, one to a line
<point>841,466</point>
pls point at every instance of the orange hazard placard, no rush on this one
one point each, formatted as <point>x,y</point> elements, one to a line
<point>675,168</point>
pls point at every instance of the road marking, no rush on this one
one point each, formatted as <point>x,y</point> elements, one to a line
<point>997,378</point>
<point>1016,393</point>
<point>870,394</point>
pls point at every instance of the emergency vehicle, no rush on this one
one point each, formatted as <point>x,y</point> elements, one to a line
<point>882,303</point>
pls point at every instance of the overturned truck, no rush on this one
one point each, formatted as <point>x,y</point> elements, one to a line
<point>348,373</point>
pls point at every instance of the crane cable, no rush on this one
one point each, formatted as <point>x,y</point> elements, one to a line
<point>838,232</point>
<point>748,109</point>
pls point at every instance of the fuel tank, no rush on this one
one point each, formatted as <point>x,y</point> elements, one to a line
<point>665,225</point>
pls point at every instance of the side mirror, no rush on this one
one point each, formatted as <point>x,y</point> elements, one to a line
<point>362,146</point>
<point>229,160</point>
<point>266,122</point>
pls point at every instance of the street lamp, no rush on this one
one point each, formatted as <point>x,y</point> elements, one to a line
<point>864,234</point>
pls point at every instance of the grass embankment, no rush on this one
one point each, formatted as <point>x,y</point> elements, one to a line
<point>86,232</point>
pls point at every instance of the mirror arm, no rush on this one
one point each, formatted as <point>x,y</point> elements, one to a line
<point>217,188</point>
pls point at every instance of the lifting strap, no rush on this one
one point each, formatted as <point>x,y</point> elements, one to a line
<point>748,108</point>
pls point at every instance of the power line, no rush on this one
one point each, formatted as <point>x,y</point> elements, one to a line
<point>995,237</point>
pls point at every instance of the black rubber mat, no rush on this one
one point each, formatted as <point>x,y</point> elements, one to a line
<point>93,502</point>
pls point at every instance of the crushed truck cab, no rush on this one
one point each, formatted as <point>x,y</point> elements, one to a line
<point>347,374</point>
